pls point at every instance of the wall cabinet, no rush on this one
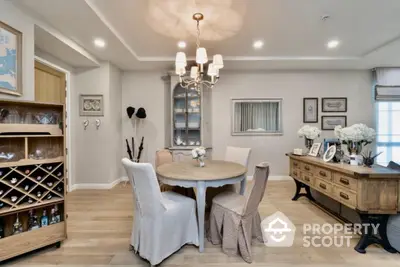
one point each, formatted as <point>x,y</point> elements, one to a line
<point>189,121</point>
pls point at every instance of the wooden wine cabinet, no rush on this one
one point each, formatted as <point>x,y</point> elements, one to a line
<point>34,134</point>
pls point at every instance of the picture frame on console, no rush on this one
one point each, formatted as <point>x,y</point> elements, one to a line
<point>310,110</point>
<point>330,122</point>
<point>334,104</point>
<point>314,150</point>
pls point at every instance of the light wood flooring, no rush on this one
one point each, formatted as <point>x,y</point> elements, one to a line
<point>100,223</point>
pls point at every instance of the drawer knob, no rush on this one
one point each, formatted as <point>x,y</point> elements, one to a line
<point>294,172</point>
<point>322,173</point>
<point>344,181</point>
<point>323,186</point>
<point>306,178</point>
<point>295,164</point>
<point>307,168</point>
<point>343,195</point>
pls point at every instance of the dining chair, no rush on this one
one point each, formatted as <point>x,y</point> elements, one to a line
<point>234,218</point>
<point>238,155</point>
<point>163,156</point>
<point>163,221</point>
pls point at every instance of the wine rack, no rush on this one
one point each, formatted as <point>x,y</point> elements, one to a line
<point>32,174</point>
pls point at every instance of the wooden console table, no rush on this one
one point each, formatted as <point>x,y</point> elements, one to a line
<point>372,192</point>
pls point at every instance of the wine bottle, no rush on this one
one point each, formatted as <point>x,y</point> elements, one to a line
<point>44,220</point>
<point>57,213</point>
<point>53,219</point>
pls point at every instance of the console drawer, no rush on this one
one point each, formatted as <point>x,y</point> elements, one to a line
<point>296,164</point>
<point>307,178</point>
<point>345,181</point>
<point>323,186</point>
<point>323,173</point>
<point>345,196</point>
<point>307,167</point>
<point>296,173</point>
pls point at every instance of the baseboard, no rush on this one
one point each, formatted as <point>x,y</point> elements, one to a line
<point>125,178</point>
<point>272,178</point>
<point>98,186</point>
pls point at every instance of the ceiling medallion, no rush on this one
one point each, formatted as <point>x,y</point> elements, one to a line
<point>196,77</point>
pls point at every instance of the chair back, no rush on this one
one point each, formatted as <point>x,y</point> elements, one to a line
<point>163,156</point>
<point>145,187</point>
<point>261,175</point>
<point>238,155</point>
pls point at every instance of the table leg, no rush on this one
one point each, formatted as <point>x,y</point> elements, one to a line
<point>201,200</point>
<point>243,186</point>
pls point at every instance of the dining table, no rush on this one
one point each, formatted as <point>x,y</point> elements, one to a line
<point>189,174</point>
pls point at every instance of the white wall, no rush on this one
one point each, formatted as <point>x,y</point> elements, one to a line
<point>144,89</point>
<point>147,90</point>
<point>12,16</point>
<point>97,153</point>
<point>292,86</point>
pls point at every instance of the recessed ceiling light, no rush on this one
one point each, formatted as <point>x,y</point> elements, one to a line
<point>333,44</point>
<point>258,44</point>
<point>181,44</point>
<point>98,42</point>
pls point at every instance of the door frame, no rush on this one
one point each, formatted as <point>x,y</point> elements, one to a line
<point>68,110</point>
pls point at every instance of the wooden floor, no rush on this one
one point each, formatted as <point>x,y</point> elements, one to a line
<point>100,222</point>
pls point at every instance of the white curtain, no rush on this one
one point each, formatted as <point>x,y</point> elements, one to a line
<point>260,116</point>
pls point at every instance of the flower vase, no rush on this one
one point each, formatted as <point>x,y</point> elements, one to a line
<point>201,162</point>
<point>308,143</point>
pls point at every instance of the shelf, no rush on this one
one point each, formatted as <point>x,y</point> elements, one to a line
<point>24,162</point>
<point>29,136</point>
<point>27,206</point>
<point>30,103</point>
<point>53,129</point>
<point>14,245</point>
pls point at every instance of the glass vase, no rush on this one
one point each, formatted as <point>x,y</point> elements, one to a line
<point>201,162</point>
<point>308,143</point>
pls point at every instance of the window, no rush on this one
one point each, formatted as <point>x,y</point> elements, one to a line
<point>388,132</point>
<point>257,116</point>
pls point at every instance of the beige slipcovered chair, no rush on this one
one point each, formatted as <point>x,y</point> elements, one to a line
<point>164,222</point>
<point>234,154</point>
<point>164,156</point>
<point>234,219</point>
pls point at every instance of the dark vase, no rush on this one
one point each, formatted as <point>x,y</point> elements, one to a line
<point>308,143</point>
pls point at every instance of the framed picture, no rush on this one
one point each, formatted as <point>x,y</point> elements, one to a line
<point>314,150</point>
<point>329,122</point>
<point>334,104</point>
<point>330,153</point>
<point>91,105</point>
<point>310,110</point>
<point>10,60</point>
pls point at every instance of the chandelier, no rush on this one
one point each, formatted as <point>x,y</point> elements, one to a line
<point>196,77</point>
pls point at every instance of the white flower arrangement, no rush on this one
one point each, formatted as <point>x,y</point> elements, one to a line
<point>198,152</point>
<point>309,132</point>
<point>355,133</point>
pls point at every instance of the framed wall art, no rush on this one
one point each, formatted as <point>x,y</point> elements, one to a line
<point>329,122</point>
<point>91,105</point>
<point>10,60</point>
<point>334,104</point>
<point>310,110</point>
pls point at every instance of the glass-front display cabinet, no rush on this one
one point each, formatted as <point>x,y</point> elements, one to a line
<point>189,122</point>
<point>186,117</point>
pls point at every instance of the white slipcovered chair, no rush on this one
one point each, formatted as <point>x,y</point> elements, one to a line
<point>234,218</point>
<point>163,222</point>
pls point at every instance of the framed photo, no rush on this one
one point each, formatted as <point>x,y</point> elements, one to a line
<point>91,105</point>
<point>330,153</point>
<point>10,60</point>
<point>334,104</point>
<point>310,110</point>
<point>329,122</point>
<point>314,150</point>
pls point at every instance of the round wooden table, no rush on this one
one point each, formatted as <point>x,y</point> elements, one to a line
<point>188,174</point>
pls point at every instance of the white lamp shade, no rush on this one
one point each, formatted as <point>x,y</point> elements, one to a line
<point>212,71</point>
<point>180,59</point>
<point>194,71</point>
<point>218,61</point>
<point>201,55</point>
<point>180,70</point>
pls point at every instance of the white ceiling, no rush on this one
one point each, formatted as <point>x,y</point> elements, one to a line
<point>293,32</point>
